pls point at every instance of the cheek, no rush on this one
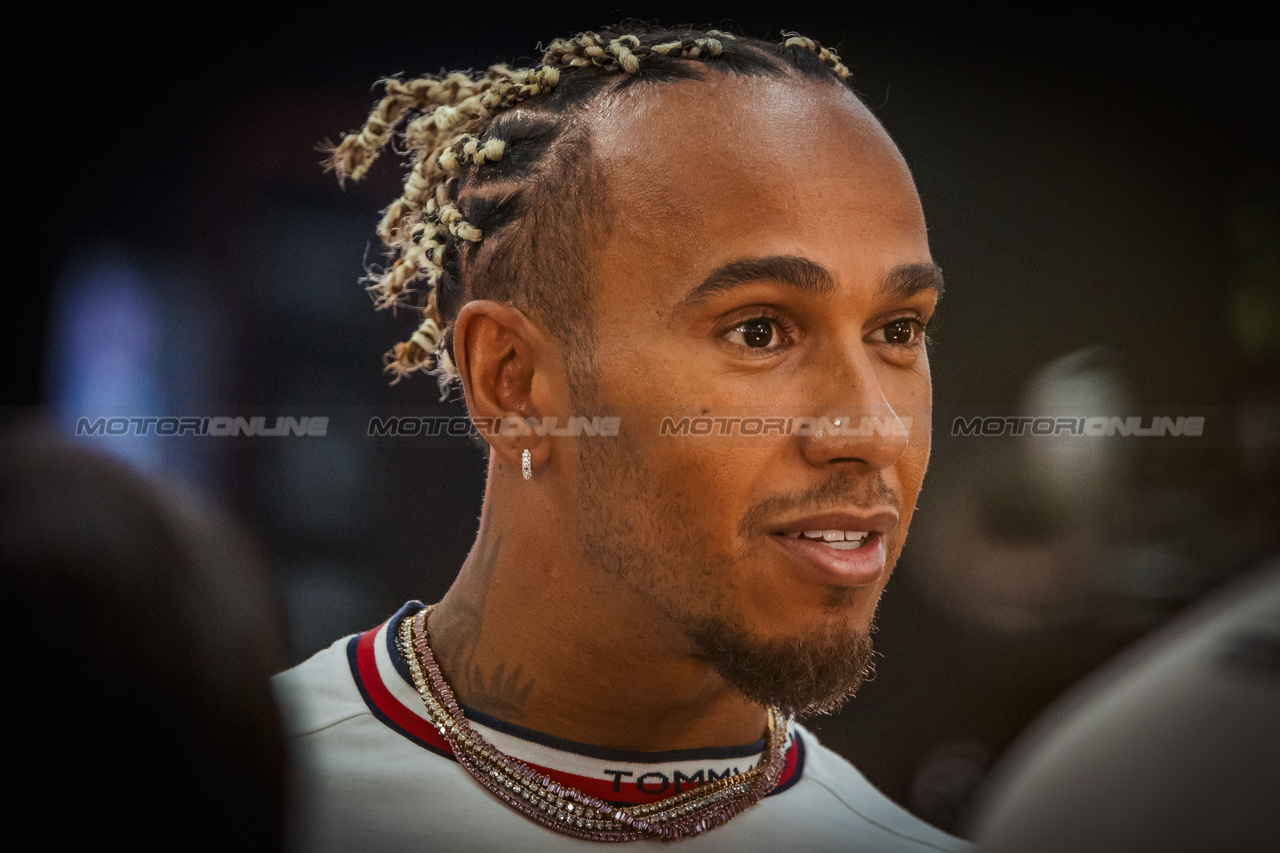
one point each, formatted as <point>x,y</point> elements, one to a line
<point>911,468</point>
<point>910,472</point>
<point>910,394</point>
<point>706,478</point>
<point>915,402</point>
<point>907,388</point>
<point>705,483</point>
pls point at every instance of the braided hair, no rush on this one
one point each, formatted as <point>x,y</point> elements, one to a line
<point>502,194</point>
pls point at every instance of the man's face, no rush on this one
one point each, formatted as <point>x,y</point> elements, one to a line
<point>767,260</point>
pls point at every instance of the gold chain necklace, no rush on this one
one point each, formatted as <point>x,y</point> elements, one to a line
<point>567,810</point>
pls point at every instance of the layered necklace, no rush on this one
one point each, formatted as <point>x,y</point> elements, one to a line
<point>567,810</point>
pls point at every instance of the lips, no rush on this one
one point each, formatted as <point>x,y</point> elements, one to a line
<point>841,549</point>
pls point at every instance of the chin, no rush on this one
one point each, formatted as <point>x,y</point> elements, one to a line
<point>806,674</point>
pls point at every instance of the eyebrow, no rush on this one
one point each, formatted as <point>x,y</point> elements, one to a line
<point>801,273</point>
<point>811,277</point>
<point>907,280</point>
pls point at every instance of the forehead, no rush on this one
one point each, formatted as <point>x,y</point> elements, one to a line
<point>703,172</point>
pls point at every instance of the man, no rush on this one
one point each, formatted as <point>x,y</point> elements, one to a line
<point>682,231</point>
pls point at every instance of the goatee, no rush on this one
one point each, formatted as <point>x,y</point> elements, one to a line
<point>798,675</point>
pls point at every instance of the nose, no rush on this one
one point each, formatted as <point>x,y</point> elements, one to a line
<point>855,424</point>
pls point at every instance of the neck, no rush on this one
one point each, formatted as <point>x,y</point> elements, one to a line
<point>529,634</point>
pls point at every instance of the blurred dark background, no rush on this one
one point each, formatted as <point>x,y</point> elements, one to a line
<point>1102,194</point>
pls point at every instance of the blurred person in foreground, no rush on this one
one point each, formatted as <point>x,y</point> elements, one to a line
<point>153,637</point>
<point>1174,747</point>
<point>676,229</point>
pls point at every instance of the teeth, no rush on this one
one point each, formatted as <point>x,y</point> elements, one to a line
<point>841,539</point>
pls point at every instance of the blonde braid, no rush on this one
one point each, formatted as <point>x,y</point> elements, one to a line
<point>390,287</point>
<point>621,48</point>
<point>827,56</point>
<point>624,52</point>
<point>401,215</point>
<point>355,153</point>
<point>412,354</point>
<point>420,222</point>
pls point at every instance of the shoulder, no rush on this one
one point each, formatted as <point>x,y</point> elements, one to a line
<point>851,812</point>
<point>319,692</point>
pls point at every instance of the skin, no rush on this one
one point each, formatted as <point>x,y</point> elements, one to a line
<point>575,611</point>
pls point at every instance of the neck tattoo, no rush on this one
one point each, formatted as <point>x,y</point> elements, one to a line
<point>567,810</point>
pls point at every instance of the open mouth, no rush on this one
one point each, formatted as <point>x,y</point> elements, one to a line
<point>835,556</point>
<point>839,540</point>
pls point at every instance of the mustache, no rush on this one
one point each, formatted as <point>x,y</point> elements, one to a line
<point>838,491</point>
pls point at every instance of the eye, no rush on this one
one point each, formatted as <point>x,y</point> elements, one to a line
<point>907,332</point>
<point>757,333</point>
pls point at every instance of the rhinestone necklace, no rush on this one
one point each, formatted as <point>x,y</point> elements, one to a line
<point>568,810</point>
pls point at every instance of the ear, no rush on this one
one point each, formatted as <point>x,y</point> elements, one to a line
<point>512,368</point>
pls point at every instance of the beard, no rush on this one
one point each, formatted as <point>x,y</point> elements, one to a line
<point>799,676</point>
<point>641,530</point>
